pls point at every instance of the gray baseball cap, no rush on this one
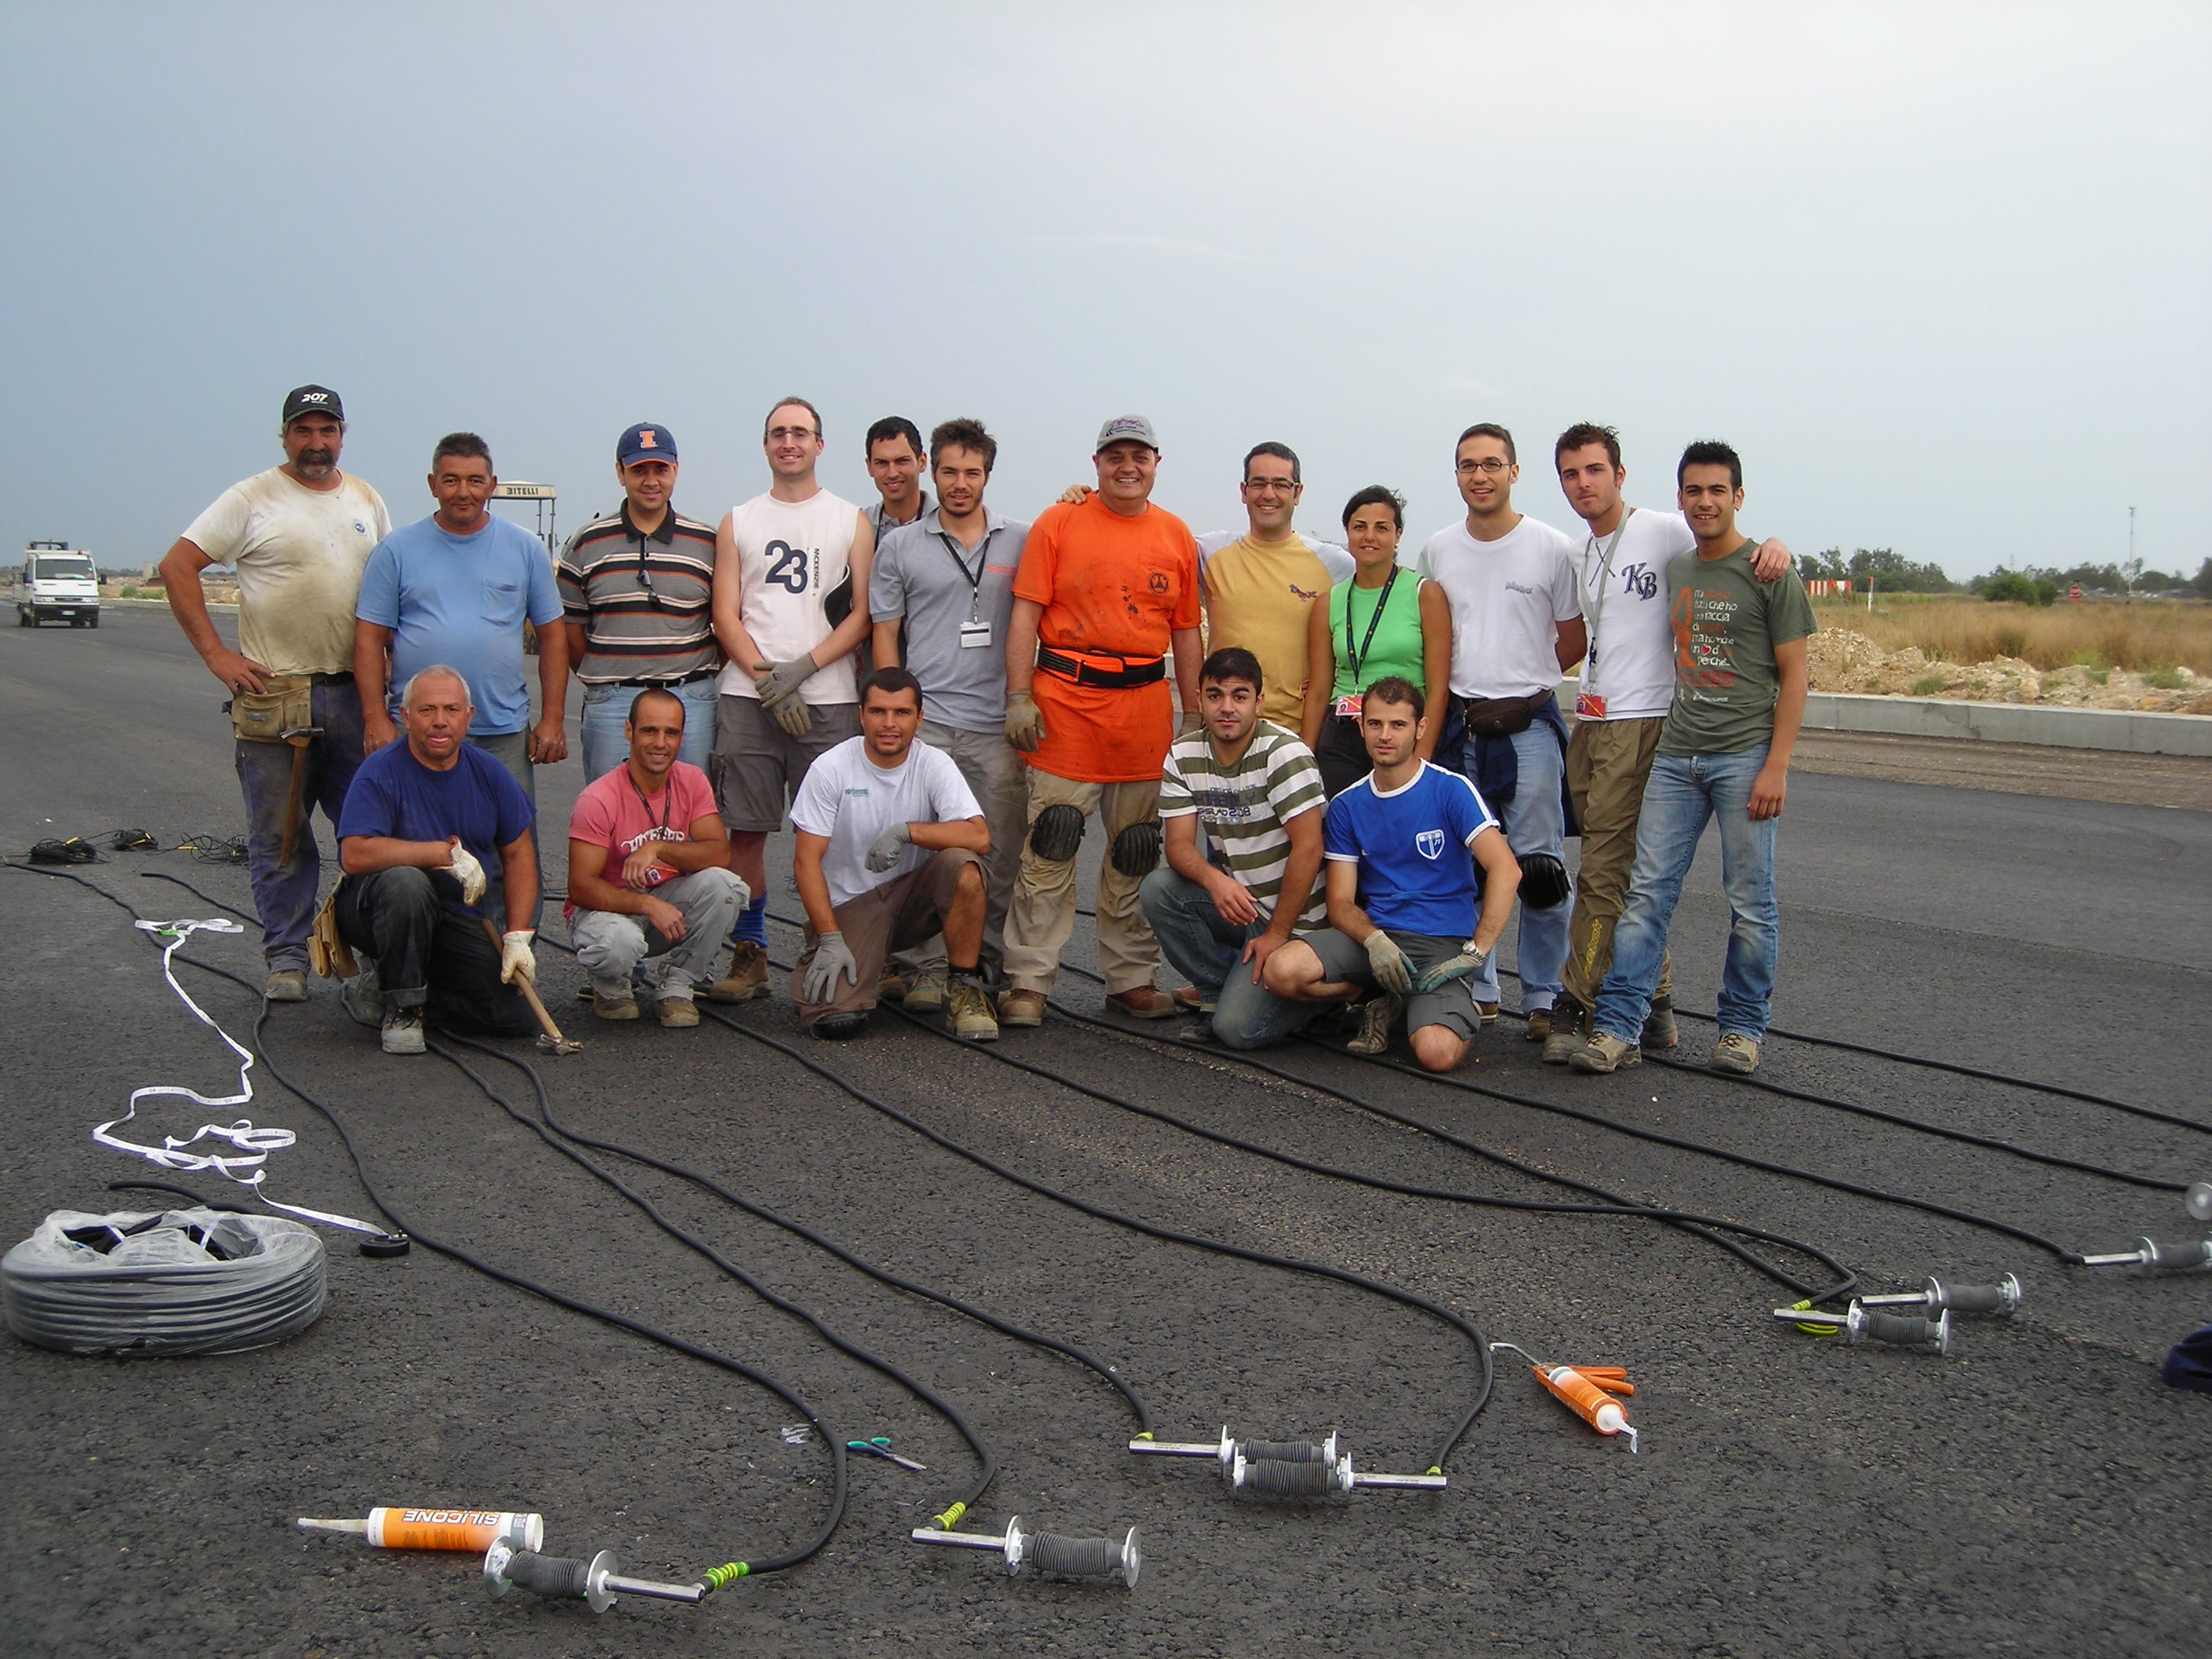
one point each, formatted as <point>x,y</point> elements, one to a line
<point>1128,429</point>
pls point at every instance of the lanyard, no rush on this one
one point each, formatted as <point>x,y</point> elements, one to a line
<point>667,793</point>
<point>1604,585</point>
<point>1374,617</point>
<point>975,577</point>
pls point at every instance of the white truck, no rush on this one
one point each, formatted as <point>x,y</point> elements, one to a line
<point>58,583</point>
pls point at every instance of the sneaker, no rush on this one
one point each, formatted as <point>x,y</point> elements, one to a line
<point>1376,1016</point>
<point>1566,1033</point>
<point>1022,1008</point>
<point>584,991</point>
<point>1605,1052</point>
<point>363,999</point>
<point>1199,1031</point>
<point>1660,1030</point>
<point>1538,1026</point>
<point>675,1013</point>
<point>402,1032</point>
<point>747,978</point>
<point>890,984</point>
<point>967,1013</point>
<point>1734,1053</point>
<point>835,1028</point>
<point>285,985</point>
<point>1488,1010</point>
<point>927,994</point>
<point>1144,1002</point>
<point>614,1005</point>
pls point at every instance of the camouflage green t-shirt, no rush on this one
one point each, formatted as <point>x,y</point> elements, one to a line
<point>1726,623</point>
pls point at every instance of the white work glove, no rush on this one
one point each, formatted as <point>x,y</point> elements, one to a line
<point>461,864</point>
<point>888,845</point>
<point>515,956</point>
<point>1391,969</point>
<point>1466,964</point>
<point>1025,724</point>
<point>782,679</point>
<point>831,961</point>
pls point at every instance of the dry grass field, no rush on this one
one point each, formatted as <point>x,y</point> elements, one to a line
<point>2152,637</point>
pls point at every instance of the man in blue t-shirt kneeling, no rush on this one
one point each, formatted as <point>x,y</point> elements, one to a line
<point>422,821</point>
<point>1402,893</point>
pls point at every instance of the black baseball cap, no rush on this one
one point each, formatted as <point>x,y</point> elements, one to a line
<point>311,400</point>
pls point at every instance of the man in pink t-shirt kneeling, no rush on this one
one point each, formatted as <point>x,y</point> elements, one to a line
<point>648,876</point>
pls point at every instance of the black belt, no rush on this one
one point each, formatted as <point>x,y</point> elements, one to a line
<point>341,679</point>
<point>1112,678</point>
<point>694,676</point>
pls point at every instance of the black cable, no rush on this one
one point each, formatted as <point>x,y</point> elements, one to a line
<point>163,875</point>
<point>834,1444</point>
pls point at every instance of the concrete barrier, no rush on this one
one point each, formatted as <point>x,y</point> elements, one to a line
<point>2126,730</point>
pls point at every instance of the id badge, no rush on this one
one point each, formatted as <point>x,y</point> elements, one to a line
<point>1347,707</point>
<point>1589,705</point>
<point>974,636</point>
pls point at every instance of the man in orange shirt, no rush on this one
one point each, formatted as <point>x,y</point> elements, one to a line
<point>1108,586</point>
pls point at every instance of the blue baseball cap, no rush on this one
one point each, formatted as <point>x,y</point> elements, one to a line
<point>645,443</point>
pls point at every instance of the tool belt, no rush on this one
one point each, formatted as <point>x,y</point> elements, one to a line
<point>1500,717</point>
<point>328,953</point>
<point>1090,668</point>
<point>288,705</point>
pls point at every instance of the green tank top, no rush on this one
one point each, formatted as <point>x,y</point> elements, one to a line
<point>1396,647</point>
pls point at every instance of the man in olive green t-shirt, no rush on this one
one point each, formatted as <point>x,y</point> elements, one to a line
<point>1725,755</point>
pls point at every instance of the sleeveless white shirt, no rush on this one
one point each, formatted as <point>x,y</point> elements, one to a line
<point>791,555</point>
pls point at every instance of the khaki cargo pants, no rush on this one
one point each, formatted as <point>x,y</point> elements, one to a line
<point>1042,917</point>
<point>1607,763</point>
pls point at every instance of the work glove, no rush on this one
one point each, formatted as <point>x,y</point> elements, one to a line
<point>461,864</point>
<point>516,957</point>
<point>783,679</point>
<point>1466,964</point>
<point>1392,969</point>
<point>888,845</point>
<point>1024,725</point>
<point>831,961</point>
<point>793,716</point>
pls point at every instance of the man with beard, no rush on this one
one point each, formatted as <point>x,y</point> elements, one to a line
<point>298,537</point>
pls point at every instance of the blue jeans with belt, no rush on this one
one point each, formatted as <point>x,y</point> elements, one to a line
<point>1683,792</point>
<point>285,896</point>
<point>607,708</point>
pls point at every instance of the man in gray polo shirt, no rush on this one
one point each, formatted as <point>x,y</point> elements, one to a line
<point>941,595</point>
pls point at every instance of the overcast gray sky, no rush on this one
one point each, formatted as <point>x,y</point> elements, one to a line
<point>1938,271</point>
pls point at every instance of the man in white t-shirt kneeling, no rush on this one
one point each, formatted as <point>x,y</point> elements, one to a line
<point>890,844</point>
<point>648,881</point>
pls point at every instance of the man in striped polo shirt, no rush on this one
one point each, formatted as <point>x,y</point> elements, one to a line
<point>636,595</point>
<point>1221,907</point>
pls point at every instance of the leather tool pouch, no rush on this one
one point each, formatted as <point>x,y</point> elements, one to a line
<point>328,953</point>
<point>1500,717</point>
<point>288,705</point>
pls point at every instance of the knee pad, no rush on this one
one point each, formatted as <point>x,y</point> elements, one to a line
<point>1136,850</point>
<point>1056,834</point>
<point>1544,881</point>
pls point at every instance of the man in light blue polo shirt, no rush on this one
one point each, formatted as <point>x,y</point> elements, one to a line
<point>456,589</point>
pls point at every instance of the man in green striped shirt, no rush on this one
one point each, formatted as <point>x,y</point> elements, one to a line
<point>1225,903</point>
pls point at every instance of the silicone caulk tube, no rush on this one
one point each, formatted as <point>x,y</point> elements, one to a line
<point>476,1530</point>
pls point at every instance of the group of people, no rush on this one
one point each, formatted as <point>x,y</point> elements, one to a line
<point>1361,766</point>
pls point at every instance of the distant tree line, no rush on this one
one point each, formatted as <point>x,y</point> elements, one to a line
<point>2042,584</point>
<point>1890,571</point>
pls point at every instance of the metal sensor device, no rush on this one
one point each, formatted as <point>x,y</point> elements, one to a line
<point>1049,1552</point>
<point>1284,1468</point>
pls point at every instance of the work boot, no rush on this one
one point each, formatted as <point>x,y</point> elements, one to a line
<point>1022,1008</point>
<point>927,994</point>
<point>1659,1031</point>
<point>1144,1002</point>
<point>1604,1053</point>
<point>834,1027</point>
<point>285,985</point>
<point>614,1005</point>
<point>1376,1016</point>
<point>747,978</point>
<point>363,999</point>
<point>402,1032</point>
<point>967,1013</point>
<point>1736,1055</point>
<point>1566,1033</point>
<point>1539,1025</point>
<point>1488,1010</point>
<point>890,984</point>
<point>675,1013</point>
<point>1189,998</point>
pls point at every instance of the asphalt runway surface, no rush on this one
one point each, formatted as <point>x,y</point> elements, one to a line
<point>2039,1491</point>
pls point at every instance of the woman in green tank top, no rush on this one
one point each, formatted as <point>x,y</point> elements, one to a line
<point>1385,621</point>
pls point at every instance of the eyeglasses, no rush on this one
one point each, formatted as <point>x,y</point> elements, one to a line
<point>786,434</point>
<point>1285,486</point>
<point>1490,463</point>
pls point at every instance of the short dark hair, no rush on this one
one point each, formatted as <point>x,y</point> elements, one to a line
<point>638,701</point>
<point>1582,435</point>
<point>1710,452</point>
<point>891,681</point>
<point>890,427</point>
<point>962,433</point>
<point>769,419</point>
<point>1281,451</point>
<point>1396,687</point>
<point>467,445</point>
<point>1231,662</point>
<point>1489,429</point>
<point>1376,495</point>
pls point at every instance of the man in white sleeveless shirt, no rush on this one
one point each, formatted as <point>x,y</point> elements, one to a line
<point>790,586</point>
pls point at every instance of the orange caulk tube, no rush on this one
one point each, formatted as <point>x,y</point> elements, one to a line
<point>1588,1394</point>
<point>396,1528</point>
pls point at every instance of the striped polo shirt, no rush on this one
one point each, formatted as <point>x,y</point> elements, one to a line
<point>644,603</point>
<point>1244,807</point>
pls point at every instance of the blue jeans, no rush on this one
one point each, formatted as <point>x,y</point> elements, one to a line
<point>286,897</point>
<point>1206,950</point>
<point>1684,791</point>
<point>606,708</point>
<point>1534,821</point>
